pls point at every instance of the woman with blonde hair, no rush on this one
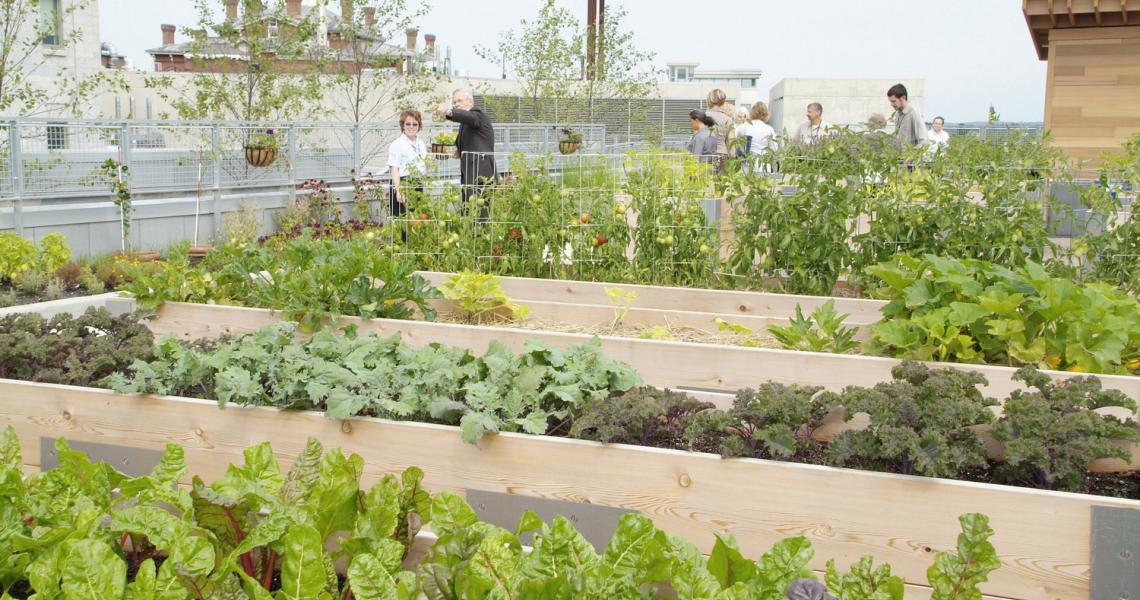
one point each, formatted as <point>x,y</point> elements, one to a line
<point>722,115</point>
<point>757,131</point>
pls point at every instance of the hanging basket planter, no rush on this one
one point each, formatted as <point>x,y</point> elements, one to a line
<point>198,252</point>
<point>449,150</point>
<point>260,156</point>
<point>569,146</point>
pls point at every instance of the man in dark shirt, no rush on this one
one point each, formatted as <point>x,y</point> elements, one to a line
<point>476,144</point>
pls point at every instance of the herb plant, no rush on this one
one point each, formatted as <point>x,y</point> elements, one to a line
<point>823,331</point>
<point>481,298</point>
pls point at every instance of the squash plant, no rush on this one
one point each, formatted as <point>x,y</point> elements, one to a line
<point>972,311</point>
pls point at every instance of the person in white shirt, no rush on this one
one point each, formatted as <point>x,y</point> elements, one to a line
<point>406,161</point>
<point>810,133</point>
<point>756,133</point>
<point>938,136</point>
<point>757,130</point>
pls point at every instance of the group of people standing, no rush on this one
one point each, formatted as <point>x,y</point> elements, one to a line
<point>715,129</point>
<point>475,143</point>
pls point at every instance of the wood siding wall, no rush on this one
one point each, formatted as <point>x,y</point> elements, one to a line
<point>1092,99</point>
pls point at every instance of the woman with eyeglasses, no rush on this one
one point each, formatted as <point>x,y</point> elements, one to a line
<point>406,162</point>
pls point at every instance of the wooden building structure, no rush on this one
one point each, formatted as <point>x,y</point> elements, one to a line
<point>1092,97</point>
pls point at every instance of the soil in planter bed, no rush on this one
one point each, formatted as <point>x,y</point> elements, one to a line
<point>23,297</point>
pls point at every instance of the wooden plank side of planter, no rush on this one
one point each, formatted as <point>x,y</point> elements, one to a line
<point>601,316</point>
<point>662,364</point>
<point>1041,537</point>
<point>722,302</point>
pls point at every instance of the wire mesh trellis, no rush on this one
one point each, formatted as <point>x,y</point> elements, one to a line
<point>582,215</point>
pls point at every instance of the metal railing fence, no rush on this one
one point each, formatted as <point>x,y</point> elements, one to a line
<point>60,160</point>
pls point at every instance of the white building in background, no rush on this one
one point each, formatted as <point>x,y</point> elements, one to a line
<point>845,101</point>
<point>82,58</point>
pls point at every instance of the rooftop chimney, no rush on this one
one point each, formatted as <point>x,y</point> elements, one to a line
<point>167,34</point>
<point>231,10</point>
<point>346,12</point>
<point>293,8</point>
<point>369,17</point>
<point>429,38</point>
<point>412,38</point>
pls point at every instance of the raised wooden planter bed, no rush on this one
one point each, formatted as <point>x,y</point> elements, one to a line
<point>663,364</point>
<point>730,305</point>
<point>1042,537</point>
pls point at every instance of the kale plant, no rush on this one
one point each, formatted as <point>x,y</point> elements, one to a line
<point>772,421</point>
<point>645,416</point>
<point>1052,432</point>
<point>71,350</point>
<point>919,422</point>
<point>349,374</point>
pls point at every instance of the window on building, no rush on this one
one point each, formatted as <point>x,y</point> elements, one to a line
<point>271,32</point>
<point>51,22</point>
<point>56,137</point>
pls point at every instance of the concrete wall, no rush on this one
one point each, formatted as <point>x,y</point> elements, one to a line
<point>845,101</point>
<point>93,228</point>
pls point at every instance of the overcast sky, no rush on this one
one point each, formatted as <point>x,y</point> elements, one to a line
<point>972,53</point>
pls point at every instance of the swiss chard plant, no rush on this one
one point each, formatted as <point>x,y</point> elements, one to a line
<point>1052,431</point>
<point>84,530</point>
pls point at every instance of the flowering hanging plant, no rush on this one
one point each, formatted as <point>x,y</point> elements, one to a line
<point>263,139</point>
<point>569,135</point>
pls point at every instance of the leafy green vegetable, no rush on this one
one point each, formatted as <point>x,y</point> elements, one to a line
<point>481,298</point>
<point>1053,433</point>
<point>957,576</point>
<point>919,422</point>
<point>349,375</point>
<point>763,423</point>
<point>71,350</point>
<point>971,311</point>
<point>823,331</point>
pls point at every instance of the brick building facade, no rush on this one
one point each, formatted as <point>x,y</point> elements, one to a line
<point>217,55</point>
